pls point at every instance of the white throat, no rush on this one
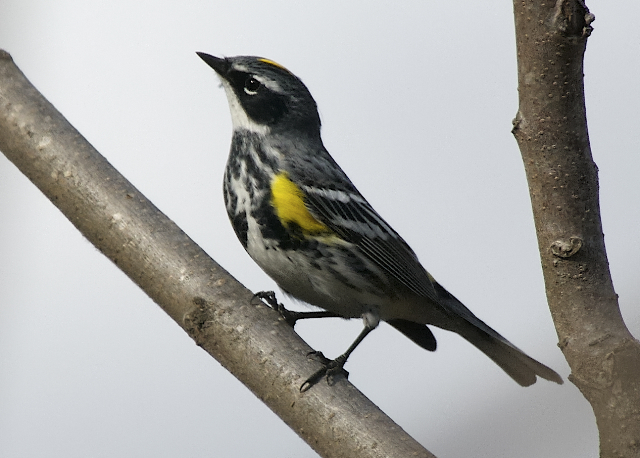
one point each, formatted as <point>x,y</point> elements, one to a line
<point>239,117</point>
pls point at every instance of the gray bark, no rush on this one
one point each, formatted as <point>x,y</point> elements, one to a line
<point>551,130</point>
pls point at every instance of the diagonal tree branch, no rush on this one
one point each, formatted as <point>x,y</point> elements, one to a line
<point>551,130</point>
<point>251,341</point>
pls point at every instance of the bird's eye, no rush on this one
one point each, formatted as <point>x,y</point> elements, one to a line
<point>251,85</point>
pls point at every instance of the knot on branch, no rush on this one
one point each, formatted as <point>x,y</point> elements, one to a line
<point>566,248</point>
<point>516,123</point>
<point>573,18</point>
<point>197,319</point>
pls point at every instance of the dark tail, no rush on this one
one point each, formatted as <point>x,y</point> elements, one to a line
<point>520,367</point>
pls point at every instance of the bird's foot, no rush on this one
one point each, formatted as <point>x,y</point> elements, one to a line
<point>269,297</point>
<point>332,368</point>
<point>291,317</point>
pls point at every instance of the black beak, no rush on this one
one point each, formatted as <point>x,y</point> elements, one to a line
<point>221,66</point>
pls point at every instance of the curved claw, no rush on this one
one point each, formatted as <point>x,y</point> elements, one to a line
<point>270,298</point>
<point>331,368</point>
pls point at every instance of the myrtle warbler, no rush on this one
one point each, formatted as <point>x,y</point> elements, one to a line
<point>306,225</point>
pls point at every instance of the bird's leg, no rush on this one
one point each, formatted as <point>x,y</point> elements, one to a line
<point>336,366</point>
<point>290,316</point>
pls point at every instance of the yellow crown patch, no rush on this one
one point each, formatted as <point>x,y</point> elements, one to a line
<point>275,64</point>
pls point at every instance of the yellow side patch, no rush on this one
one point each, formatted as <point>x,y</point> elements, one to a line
<point>288,201</point>
<point>275,64</point>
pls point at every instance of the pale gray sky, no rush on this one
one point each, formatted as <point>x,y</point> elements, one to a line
<point>417,101</point>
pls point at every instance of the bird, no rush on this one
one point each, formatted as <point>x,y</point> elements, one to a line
<point>304,223</point>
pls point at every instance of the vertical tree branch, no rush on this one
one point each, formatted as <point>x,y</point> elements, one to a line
<point>551,130</point>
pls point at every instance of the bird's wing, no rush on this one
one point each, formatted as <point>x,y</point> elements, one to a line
<point>351,217</point>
